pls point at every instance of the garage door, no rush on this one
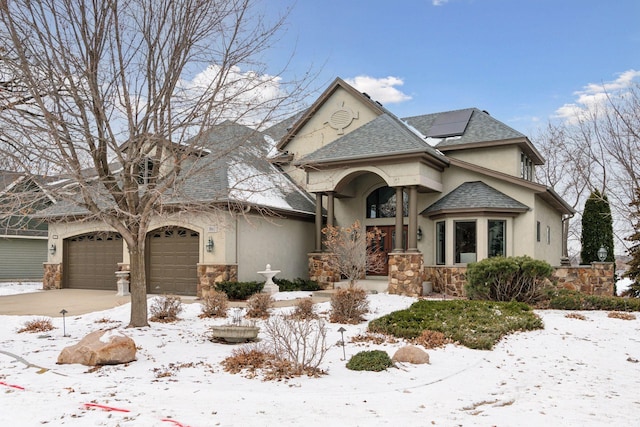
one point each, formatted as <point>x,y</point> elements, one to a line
<point>91,260</point>
<point>22,258</point>
<point>172,261</point>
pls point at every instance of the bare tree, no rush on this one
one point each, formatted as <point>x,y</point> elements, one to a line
<point>354,251</point>
<point>597,149</point>
<point>118,96</point>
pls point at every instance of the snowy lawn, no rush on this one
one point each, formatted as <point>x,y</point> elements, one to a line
<point>574,372</point>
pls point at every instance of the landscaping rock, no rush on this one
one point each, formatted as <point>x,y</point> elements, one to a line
<point>411,354</point>
<point>100,348</point>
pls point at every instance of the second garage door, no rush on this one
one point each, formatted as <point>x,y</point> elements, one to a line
<point>172,261</point>
<point>91,260</point>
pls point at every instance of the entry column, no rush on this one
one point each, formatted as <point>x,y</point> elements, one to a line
<point>397,243</point>
<point>318,222</point>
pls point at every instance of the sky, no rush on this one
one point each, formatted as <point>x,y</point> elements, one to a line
<point>582,369</point>
<point>524,61</point>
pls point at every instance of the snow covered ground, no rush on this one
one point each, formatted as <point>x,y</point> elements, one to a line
<point>573,373</point>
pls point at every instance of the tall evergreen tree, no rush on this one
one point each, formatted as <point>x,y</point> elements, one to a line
<point>634,251</point>
<point>597,228</point>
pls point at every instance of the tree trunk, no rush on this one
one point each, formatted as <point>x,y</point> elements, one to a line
<point>138,287</point>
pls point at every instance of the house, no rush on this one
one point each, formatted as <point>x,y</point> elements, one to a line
<point>446,189</point>
<point>23,240</point>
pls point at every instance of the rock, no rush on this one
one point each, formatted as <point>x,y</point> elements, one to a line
<point>411,354</point>
<point>109,347</point>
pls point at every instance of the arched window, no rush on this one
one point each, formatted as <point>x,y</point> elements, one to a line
<point>381,203</point>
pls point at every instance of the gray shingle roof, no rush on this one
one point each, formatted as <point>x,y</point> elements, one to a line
<point>384,135</point>
<point>234,170</point>
<point>475,195</point>
<point>481,128</point>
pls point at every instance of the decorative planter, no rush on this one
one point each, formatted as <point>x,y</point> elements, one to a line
<point>234,333</point>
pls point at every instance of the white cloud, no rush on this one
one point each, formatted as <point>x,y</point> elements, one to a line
<point>439,2</point>
<point>594,95</point>
<point>380,89</point>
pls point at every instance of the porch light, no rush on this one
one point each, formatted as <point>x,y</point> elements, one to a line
<point>602,253</point>
<point>52,249</point>
<point>209,245</point>
<point>419,234</point>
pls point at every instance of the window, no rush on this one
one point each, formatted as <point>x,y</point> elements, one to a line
<point>496,237</point>
<point>537,231</point>
<point>382,203</point>
<point>440,242</point>
<point>465,237</point>
<point>548,235</point>
<point>145,171</point>
<point>526,167</point>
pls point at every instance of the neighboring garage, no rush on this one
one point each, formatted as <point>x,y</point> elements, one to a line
<point>91,260</point>
<point>22,258</point>
<point>172,261</point>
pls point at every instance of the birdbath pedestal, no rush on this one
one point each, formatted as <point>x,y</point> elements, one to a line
<point>269,286</point>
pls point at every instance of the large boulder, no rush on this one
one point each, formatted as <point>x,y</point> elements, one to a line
<point>109,347</point>
<point>411,354</point>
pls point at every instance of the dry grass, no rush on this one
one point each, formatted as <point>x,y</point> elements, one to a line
<point>432,339</point>
<point>575,316</point>
<point>378,339</point>
<point>37,325</point>
<point>621,315</point>
<point>255,360</point>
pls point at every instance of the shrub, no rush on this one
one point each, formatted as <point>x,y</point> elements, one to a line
<point>297,284</point>
<point>215,304</point>
<point>239,290</point>
<point>507,279</point>
<point>565,299</point>
<point>258,305</point>
<point>349,305</point>
<point>165,308</point>
<point>36,325</point>
<point>475,324</point>
<point>304,310</point>
<point>374,360</point>
<point>301,342</point>
<point>256,359</point>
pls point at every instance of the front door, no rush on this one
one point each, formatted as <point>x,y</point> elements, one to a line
<point>386,245</point>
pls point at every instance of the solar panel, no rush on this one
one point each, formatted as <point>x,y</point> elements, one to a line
<point>452,123</point>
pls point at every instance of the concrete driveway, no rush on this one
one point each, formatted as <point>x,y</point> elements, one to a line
<point>82,301</point>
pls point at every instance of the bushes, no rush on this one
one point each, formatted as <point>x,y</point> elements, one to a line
<point>37,325</point>
<point>304,310</point>
<point>239,290</point>
<point>475,324</point>
<point>564,299</point>
<point>165,308</point>
<point>297,284</point>
<point>349,305</point>
<point>258,305</point>
<point>374,360</point>
<point>507,279</point>
<point>215,304</point>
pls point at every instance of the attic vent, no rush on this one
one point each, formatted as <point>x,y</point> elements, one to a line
<point>341,118</point>
<point>451,123</point>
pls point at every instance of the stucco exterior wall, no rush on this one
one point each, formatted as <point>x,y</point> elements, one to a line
<point>548,250</point>
<point>283,243</point>
<point>505,159</point>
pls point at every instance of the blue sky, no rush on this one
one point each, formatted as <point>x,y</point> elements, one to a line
<point>524,61</point>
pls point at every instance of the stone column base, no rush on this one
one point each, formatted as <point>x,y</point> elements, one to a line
<point>405,273</point>
<point>52,276</point>
<point>320,270</point>
<point>210,274</point>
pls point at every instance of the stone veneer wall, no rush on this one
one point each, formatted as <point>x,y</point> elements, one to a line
<point>210,274</point>
<point>405,274</point>
<point>320,270</point>
<point>52,278</point>
<point>595,279</point>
